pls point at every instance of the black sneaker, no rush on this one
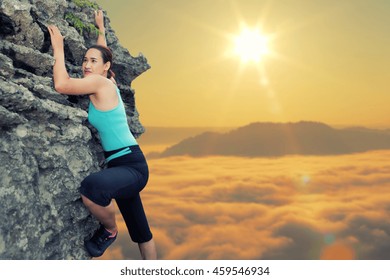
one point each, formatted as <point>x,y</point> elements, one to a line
<point>99,242</point>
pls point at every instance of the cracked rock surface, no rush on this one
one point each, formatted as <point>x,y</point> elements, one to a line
<point>46,145</point>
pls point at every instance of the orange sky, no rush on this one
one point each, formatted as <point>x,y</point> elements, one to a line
<point>329,61</point>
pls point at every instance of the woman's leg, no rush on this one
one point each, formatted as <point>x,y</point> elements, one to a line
<point>105,215</point>
<point>137,224</point>
<point>97,192</point>
<point>148,250</point>
<point>98,189</point>
<point>123,184</point>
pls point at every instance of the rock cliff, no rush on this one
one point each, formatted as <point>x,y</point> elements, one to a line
<point>46,145</point>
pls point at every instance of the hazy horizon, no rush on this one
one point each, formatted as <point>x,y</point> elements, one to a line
<point>171,135</point>
<point>379,127</point>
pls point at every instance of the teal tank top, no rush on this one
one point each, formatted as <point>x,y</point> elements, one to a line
<point>112,126</point>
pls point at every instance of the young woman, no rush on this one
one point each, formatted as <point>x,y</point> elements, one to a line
<point>127,170</point>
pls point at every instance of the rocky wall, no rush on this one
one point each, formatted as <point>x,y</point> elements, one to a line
<point>46,145</point>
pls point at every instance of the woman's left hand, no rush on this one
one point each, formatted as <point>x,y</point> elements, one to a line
<point>99,19</point>
<point>57,40</point>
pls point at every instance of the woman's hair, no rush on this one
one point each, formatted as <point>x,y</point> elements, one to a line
<point>107,56</point>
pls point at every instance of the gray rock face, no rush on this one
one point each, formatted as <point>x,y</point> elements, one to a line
<point>46,145</point>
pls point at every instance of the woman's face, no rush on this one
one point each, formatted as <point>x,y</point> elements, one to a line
<point>93,63</point>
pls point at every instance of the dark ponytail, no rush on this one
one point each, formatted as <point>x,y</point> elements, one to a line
<point>107,57</point>
<point>110,74</point>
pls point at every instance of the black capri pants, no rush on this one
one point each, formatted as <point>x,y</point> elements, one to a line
<point>123,180</point>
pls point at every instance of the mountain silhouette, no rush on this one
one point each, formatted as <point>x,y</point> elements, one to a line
<point>279,139</point>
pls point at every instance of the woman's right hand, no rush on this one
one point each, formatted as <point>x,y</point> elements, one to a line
<point>99,19</point>
<point>57,40</point>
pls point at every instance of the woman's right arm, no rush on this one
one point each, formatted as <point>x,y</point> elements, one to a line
<point>62,82</point>
<point>99,20</point>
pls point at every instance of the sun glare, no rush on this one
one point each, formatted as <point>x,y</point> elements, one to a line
<point>251,45</point>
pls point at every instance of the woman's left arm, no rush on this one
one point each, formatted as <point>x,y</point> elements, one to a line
<point>62,82</point>
<point>99,20</point>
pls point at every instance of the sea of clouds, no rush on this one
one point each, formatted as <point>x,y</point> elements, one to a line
<point>296,207</point>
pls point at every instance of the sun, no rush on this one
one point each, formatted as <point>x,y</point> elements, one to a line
<point>251,45</point>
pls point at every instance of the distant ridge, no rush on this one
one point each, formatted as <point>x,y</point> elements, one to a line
<point>172,135</point>
<point>279,139</point>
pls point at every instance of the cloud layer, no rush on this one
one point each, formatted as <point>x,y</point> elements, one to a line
<point>298,207</point>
